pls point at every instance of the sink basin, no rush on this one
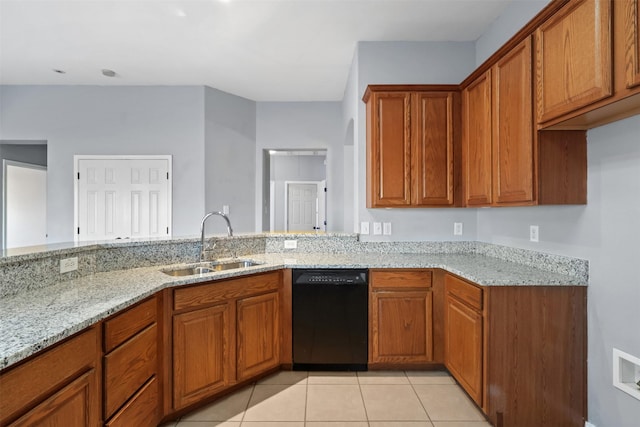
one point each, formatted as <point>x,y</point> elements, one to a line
<point>229,265</point>
<point>204,268</point>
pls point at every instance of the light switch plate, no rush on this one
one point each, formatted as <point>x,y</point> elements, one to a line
<point>377,228</point>
<point>534,233</point>
<point>364,227</point>
<point>386,229</point>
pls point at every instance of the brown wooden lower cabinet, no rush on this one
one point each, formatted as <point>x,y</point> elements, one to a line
<point>59,387</point>
<point>400,317</point>
<point>223,333</point>
<point>258,335</point>
<point>201,340</point>
<point>519,351</point>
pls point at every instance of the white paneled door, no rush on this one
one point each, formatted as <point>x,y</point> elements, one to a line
<point>304,206</point>
<point>121,198</point>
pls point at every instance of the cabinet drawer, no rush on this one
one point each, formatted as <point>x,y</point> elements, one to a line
<point>464,291</point>
<point>128,367</point>
<point>141,410</point>
<point>43,375</point>
<point>122,327</point>
<point>223,290</point>
<point>400,278</point>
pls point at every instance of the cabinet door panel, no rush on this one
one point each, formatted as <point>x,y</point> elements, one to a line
<point>573,58</point>
<point>463,346</point>
<point>402,327</point>
<point>632,41</point>
<point>70,407</point>
<point>141,410</point>
<point>257,334</point>
<point>513,148</point>
<point>432,152</point>
<point>200,353</point>
<point>476,150</point>
<point>390,150</point>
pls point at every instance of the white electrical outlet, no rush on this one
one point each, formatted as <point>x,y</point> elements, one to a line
<point>534,233</point>
<point>457,229</point>
<point>364,227</point>
<point>290,244</point>
<point>386,229</point>
<point>68,264</point>
<point>225,209</point>
<point>377,228</point>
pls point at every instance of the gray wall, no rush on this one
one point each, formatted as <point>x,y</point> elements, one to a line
<point>303,125</point>
<point>605,232</point>
<point>111,120</point>
<point>33,152</point>
<point>230,156</point>
<point>419,63</point>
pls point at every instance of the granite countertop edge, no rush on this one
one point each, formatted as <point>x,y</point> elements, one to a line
<point>36,319</point>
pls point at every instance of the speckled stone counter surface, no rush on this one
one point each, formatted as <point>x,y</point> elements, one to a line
<point>38,317</point>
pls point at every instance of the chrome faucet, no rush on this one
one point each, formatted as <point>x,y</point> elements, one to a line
<point>204,219</point>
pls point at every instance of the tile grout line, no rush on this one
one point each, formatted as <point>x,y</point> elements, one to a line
<point>364,405</point>
<point>419,400</point>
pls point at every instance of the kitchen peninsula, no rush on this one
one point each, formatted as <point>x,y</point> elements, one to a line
<point>511,292</point>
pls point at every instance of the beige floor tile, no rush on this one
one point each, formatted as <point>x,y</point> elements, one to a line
<point>400,424</point>
<point>392,403</point>
<point>447,403</point>
<point>277,403</point>
<point>273,424</point>
<point>430,377</point>
<point>337,424</point>
<point>461,424</point>
<point>332,378</point>
<point>285,377</point>
<point>382,377</point>
<point>229,408</point>
<point>335,403</point>
<point>208,424</point>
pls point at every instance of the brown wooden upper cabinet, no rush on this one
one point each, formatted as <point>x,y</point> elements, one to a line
<point>574,58</point>
<point>411,143</point>
<point>632,29</point>
<point>498,140</point>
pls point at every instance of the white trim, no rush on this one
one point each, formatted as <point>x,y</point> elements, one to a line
<point>626,372</point>
<point>320,195</point>
<point>5,163</point>
<point>76,169</point>
<point>272,206</point>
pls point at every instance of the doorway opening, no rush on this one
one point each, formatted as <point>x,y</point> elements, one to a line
<point>25,204</point>
<point>284,168</point>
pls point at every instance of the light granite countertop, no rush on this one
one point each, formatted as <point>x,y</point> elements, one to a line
<point>35,319</point>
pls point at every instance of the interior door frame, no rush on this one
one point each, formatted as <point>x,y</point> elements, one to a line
<point>322,203</point>
<point>76,169</point>
<point>5,163</point>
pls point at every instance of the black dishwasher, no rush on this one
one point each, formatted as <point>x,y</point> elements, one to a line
<point>330,318</point>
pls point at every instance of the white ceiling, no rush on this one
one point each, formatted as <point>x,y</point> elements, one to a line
<point>265,50</point>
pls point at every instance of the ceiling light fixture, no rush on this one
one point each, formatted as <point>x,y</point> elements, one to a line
<point>108,73</point>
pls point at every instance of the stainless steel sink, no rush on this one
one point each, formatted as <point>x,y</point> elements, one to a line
<point>229,265</point>
<point>204,268</point>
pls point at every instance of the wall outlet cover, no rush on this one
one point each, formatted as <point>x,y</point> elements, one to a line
<point>457,229</point>
<point>68,264</point>
<point>534,233</point>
